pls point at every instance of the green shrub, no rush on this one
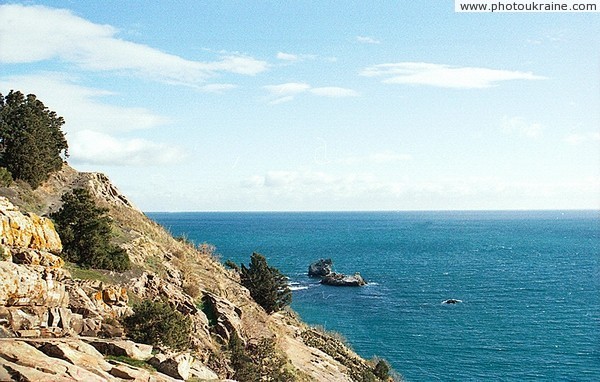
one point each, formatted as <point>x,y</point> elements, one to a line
<point>267,285</point>
<point>157,323</point>
<point>382,370</point>
<point>85,232</point>
<point>258,361</point>
<point>6,178</point>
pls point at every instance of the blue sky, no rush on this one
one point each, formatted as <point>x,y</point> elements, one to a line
<point>353,105</point>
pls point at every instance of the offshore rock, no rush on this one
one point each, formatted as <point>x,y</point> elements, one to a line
<point>320,268</point>
<point>338,279</point>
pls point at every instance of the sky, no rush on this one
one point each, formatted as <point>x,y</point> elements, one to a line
<point>317,105</point>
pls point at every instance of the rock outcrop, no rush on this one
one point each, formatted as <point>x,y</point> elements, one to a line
<point>323,268</point>
<point>18,230</point>
<point>320,268</point>
<point>338,279</point>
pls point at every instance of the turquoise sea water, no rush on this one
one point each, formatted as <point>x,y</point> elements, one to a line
<point>529,282</point>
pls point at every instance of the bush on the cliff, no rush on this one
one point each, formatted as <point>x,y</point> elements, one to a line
<point>267,285</point>
<point>85,232</point>
<point>258,361</point>
<point>5,177</point>
<point>157,323</point>
<point>30,137</point>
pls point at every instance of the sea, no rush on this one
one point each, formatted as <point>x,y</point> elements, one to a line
<point>528,284</point>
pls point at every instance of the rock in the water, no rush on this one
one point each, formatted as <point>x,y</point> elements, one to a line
<point>451,301</point>
<point>338,279</point>
<point>320,268</point>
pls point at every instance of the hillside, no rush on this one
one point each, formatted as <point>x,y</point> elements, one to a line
<point>76,306</point>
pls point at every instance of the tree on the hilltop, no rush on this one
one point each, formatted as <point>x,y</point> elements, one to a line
<point>85,231</point>
<point>31,140</point>
<point>267,285</point>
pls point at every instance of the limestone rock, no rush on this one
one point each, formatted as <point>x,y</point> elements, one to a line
<point>127,372</point>
<point>229,316</point>
<point>100,186</point>
<point>177,366</point>
<point>36,257</point>
<point>201,372</point>
<point>127,348</point>
<point>93,299</point>
<point>150,286</point>
<point>78,353</point>
<point>33,365</point>
<point>26,230</point>
<point>30,285</point>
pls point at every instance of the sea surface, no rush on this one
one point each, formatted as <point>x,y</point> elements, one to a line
<point>529,282</point>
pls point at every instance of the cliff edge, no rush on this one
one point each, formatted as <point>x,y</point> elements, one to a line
<point>60,322</point>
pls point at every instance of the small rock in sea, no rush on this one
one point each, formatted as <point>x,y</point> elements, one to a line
<point>320,268</point>
<point>451,301</point>
<point>339,279</point>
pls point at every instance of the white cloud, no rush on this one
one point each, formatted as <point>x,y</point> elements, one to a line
<point>580,138</point>
<point>91,125</point>
<point>421,73</point>
<point>287,91</point>
<point>315,189</point>
<point>367,40</point>
<point>82,107</point>
<point>292,57</point>
<point>519,126</point>
<point>49,33</point>
<point>90,147</point>
<point>287,56</point>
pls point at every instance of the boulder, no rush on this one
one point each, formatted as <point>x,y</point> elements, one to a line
<point>31,364</point>
<point>201,372</point>
<point>320,268</point>
<point>78,353</point>
<point>338,279</point>
<point>177,366</point>
<point>127,372</point>
<point>126,348</point>
<point>228,316</point>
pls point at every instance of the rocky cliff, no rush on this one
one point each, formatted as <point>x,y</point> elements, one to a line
<point>51,322</point>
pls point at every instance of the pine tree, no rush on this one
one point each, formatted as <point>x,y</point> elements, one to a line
<point>31,140</point>
<point>267,285</point>
<point>85,232</point>
<point>157,323</point>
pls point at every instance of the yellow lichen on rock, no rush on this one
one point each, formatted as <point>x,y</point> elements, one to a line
<point>26,231</point>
